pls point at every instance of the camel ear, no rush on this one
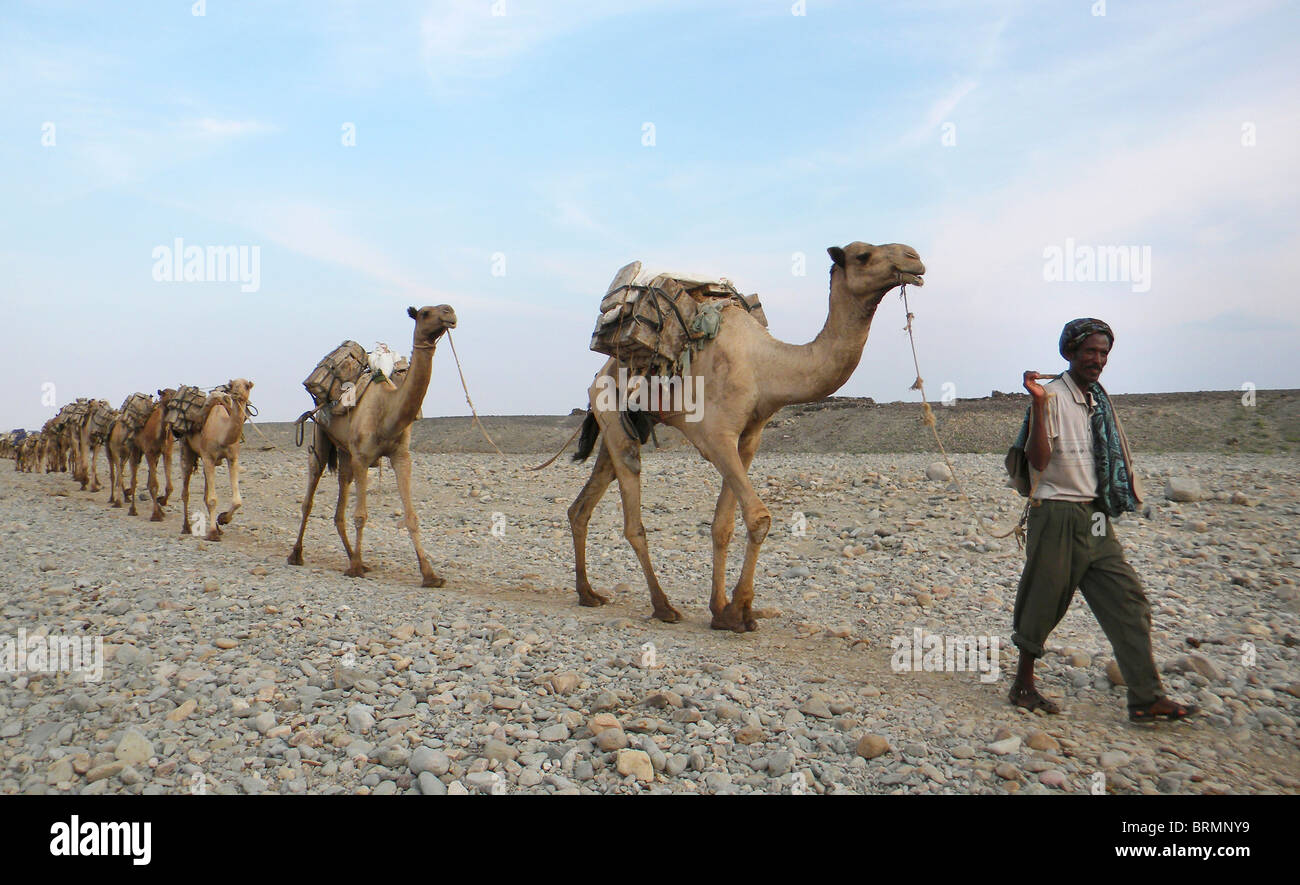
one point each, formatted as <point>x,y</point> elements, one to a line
<point>160,393</point>
<point>410,312</point>
<point>836,254</point>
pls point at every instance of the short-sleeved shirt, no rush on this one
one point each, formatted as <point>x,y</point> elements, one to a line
<point>1071,474</point>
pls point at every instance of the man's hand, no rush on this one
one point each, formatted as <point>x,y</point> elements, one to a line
<point>1037,448</point>
<point>1035,389</point>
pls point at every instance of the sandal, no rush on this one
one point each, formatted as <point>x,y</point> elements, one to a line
<point>1146,713</point>
<point>1031,700</point>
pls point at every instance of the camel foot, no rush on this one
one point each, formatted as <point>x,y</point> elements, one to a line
<point>155,517</point>
<point>295,557</point>
<point>214,535</point>
<point>162,502</point>
<point>224,518</point>
<point>117,504</point>
<point>668,614</point>
<point>590,598</point>
<point>356,571</point>
<point>728,620</point>
<point>433,581</point>
<point>185,529</point>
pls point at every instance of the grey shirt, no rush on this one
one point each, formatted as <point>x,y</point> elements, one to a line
<point>1071,474</point>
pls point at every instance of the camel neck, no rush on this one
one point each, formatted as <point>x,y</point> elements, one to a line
<point>411,393</point>
<point>237,418</point>
<point>815,370</point>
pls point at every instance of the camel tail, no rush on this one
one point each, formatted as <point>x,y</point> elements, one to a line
<point>587,439</point>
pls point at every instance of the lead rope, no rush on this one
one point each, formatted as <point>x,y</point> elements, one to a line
<point>1018,530</point>
<point>467,399</point>
<point>249,415</point>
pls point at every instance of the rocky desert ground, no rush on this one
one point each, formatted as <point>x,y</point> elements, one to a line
<point>228,671</point>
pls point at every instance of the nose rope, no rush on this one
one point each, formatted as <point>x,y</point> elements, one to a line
<point>464,387</point>
<point>928,417</point>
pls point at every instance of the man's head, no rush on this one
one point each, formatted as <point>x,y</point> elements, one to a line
<point>1086,343</point>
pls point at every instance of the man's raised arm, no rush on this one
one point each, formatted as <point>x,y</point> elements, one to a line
<point>1038,449</point>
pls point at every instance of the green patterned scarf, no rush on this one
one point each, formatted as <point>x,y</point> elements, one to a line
<point>1114,485</point>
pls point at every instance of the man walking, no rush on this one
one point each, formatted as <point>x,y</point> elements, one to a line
<point>1081,476</point>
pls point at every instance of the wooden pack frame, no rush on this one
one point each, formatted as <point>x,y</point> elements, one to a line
<point>647,325</point>
<point>136,410</point>
<point>185,409</point>
<point>102,416</point>
<point>340,366</point>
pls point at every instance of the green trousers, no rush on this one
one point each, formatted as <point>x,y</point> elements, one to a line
<point>1072,545</point>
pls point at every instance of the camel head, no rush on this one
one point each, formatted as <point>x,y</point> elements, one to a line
<point>165,395</point>
<point>431,322</point>
<point>240,389</point>
<point>871,271</point>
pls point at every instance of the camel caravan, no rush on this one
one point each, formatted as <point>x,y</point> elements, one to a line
<point>143,427</point>
<point>692,354</point>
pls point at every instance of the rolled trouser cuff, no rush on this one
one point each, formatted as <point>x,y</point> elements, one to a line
<point>1026,646</point>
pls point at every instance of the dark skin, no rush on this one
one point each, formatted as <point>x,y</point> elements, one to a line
<point>1087,361</point>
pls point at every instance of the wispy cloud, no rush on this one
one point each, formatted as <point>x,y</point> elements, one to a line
<point>324,234</point>
<point>215,127</point>
<point>466,40</point>
<point>939,112</point>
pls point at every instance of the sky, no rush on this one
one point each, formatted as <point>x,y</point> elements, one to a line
<point>508,157</point>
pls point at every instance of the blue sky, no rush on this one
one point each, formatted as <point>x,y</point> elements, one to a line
<point>522,134</point>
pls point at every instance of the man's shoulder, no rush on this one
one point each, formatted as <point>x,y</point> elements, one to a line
<point>1058,387</point>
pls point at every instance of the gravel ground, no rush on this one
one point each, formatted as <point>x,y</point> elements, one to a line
<point>228,671</point>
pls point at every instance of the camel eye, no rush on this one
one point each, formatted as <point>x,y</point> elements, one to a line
<point>864,257</point>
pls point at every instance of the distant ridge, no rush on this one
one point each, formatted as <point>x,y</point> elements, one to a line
<point>1205,421</point>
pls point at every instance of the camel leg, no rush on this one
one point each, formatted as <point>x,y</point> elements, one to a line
<point>738,615</point>
<point>84,466</point>
<point>157,514</point>
<point>235,500</point>
<point>341,506</point>
<point>165,452</point>
<point>94,469</point>
<point>401,465</point>
<point>135,475</point>
<point>625,457</point>
<point>80,473</point>
<point>123,459</point>
<point>210,497</point>
<point>724,524</point>
<point>602,474</point>
<point>112,477</point>
<point>361,475</point>
<point>188,462</point>
<point>116,469</point>
<point>315,469</point>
